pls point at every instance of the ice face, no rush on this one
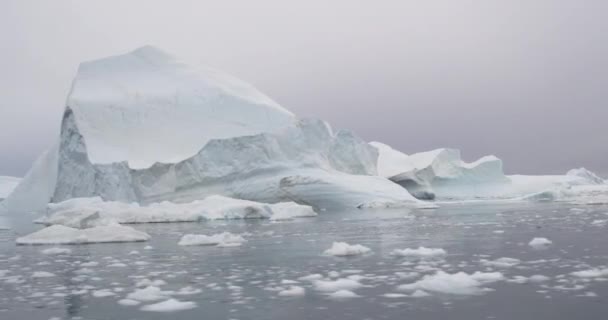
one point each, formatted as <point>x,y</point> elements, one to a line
<point>146,106</point>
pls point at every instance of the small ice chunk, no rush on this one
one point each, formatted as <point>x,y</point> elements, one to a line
<point>336,285</point>
<point>224,239</point>
<point>342,249</point>
<point>540,243</point>
<point>128,302</point>
<point>591,273</point>
<point>421,252</point>
<point>42,274</point>
<point>459,283</point>
<point>293,291</point>
<point>150,293</point>
<point>503,262</point>
<point>56,250</point>
<point>343,294</point>
<point>169,305</point>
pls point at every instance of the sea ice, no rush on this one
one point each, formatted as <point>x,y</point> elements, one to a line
<point>460,283</point>
<point>169,305</point>
<point>343,249</point>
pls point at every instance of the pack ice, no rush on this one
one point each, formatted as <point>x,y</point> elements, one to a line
<point>145,127</point>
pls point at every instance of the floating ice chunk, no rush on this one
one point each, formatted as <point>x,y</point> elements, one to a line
<point>591,273</point>
<point>59,234</point>
<point>538,278</point>
<point>42,274</point>
<point>420,294</point>
<point>103,293</point>
<point>290,210</point>
<point>150,293</point>
<point>459,283</point>
<point>394,295</point>
<point>343,294</point>
<point>540,243</point>
<point>311,277</point>
<point>342,249</point>
<point>421,252</point>
<point>169,305</point>
<point>336,285</point>
<point>293,291</point>
<point>54,251</point>
<point>224,239</point>
<point>503,262</point>
<point>128,302</point>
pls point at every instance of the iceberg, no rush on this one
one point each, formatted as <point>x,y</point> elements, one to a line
<point>7,185</point>
<point>442,175</point>
<point>146,128</point>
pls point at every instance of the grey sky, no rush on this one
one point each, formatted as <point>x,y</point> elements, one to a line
<point>524,80</point>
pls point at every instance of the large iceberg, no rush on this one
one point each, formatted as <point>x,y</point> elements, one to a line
<point>144,127</point>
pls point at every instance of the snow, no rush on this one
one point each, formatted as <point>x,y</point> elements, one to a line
<point>225,239</point>
<point>540,243</point>
<point>58,234</point>
<point>459,283</point>
<point>343,249</point>
<point>293,291</point>
<point>7,185</point>
<point>421,252</point>
<point>89,212</point>
<point>169,305</point>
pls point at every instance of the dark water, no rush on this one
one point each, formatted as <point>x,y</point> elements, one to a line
<point>242,282</point>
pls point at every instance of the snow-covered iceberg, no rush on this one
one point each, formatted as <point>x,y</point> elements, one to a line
<point>146,128</point>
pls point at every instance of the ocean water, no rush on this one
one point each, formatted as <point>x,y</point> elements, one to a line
<point>244,282</point>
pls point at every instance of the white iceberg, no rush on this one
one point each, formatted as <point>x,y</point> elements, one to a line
<point>146,128</point>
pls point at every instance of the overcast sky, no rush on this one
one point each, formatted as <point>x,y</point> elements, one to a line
<point>524,80</point>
